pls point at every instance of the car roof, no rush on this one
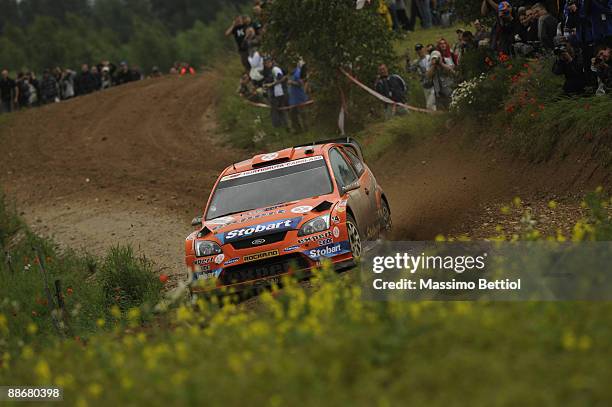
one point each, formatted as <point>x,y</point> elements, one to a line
<point>266,159</point>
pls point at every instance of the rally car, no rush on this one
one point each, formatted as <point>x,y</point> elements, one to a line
<point>285,212</point>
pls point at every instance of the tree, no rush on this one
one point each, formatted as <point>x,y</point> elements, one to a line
<point>329,35</point>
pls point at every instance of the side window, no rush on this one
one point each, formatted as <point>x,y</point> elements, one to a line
<point>343,172</point>
<point>357,163</point>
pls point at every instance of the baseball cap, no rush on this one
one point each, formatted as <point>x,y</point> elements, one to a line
<point>418,47</point>
<point>504,8</point>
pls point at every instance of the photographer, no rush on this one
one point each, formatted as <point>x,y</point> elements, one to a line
<point>392,86</point>
<point>600,65</point>
<point>569,63</point>
<point>442,76</point>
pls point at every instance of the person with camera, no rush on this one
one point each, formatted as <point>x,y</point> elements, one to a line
<point>442,76</point>
<point>569,63</point>
<point>601,66</point>
<point>421,66</point>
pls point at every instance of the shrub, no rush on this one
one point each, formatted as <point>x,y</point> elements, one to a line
<point>128,281</point>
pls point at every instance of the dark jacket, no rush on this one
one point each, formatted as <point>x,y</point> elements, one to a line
<point>574,75</point>
<point>49,89</point>
<point>393,87</point>
<point>85,83</point>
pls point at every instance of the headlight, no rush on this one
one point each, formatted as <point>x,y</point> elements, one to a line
<point>204,248</point>
<point>315,225</point>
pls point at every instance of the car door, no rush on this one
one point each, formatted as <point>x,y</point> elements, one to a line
<point>368,183</point>
<point>345,175</point>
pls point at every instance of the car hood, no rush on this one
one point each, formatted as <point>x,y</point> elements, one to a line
<point>285,216</point>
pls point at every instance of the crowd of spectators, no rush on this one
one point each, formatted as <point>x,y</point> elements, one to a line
<point>58,84</point>
<point>577,34</point>
<point>283,89</point>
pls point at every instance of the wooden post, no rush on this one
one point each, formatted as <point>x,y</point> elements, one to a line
<point>51,303</point>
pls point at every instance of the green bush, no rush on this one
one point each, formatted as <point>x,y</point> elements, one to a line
<point>128,281</point>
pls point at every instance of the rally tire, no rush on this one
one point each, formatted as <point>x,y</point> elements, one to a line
<point>354,237</point>
<point>386,223</point>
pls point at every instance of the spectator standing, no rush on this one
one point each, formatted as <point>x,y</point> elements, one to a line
<point>393,87</point>
<point>95,72</point>
<point>442,77</point>
<point>85,82</point>
<point>23,90</point>
<point>106,80</point>
<point>547,26</point>
<point>449,57</point>
<point>238,31</point>
<point>401,11</point>
<point>256,62</point>
<point>297,97</point>
<point>504,29</point>
<point>274,82</point>
<point>9,92</point>
<point>125,74</point>
<point>481,34</point>
<point>421,67</point>
<point>423,9</point>
<point>67,84</point>
<point>49,89</point>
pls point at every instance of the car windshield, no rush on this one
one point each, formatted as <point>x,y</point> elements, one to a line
<point>268,186</point>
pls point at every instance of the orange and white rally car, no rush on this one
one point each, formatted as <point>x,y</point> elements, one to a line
<point>283,213</point>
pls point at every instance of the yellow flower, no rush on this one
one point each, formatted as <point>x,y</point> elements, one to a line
<point>100,323</point>
<point>43,371</point>
<point>32,328</point>
<point>440,238</point>
<point>552,204</point>
<point>505,210</point>
<point>517,201</point>
<point>568,340</point>
<point>115,311</point>
<point>27,352</point>
<point>95,390</point>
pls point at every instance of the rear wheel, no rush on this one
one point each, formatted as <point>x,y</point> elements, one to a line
<point>354,236</point>
<point>385,218</point>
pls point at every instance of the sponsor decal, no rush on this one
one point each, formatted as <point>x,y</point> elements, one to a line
<point>272,168</point>
<point>302,209</point>
<point>231,261</point>
<point>330,250</point>
<point>335,219</point>
<point>258,242</point>
<point>260,256</point>
<point>343,203</point>
<point>206,275</point>
<point>203,261</point>
<point>221,221</point>
<point>192,236</point>
<point>262,228</point>
<point>325,242</point>
<point>269,157</point>
<point>336,232</point>
<point>314,238</point>
<point>219,259</point>
<point>340,209</point>
<point>290,248</point>
<point>204,268</point>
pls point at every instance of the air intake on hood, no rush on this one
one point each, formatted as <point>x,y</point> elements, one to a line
<point>205,231</point>
<point>323,206</point>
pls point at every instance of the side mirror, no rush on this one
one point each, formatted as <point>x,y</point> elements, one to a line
<point>197,221</point>
<point>350,187</point>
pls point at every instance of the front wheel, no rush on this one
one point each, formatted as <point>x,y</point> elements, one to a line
<point>354,237</point>
<point>386,223</point>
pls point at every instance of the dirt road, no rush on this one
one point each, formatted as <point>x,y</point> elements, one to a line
<point>129,165</point>
<point>134,164</point>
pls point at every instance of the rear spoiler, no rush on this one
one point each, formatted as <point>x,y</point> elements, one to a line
<point>345,141</point>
